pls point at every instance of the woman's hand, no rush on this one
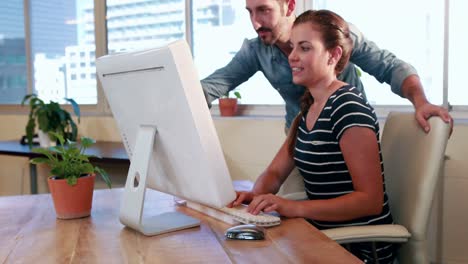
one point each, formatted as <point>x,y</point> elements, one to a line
<point>270,202</point>
<point>241,197</point>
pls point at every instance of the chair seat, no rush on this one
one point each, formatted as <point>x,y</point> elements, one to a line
<point>382,233</point>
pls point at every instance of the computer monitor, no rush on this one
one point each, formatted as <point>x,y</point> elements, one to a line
<point>167,130</point>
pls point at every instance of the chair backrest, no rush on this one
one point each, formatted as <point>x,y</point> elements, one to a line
<point>413,161</point>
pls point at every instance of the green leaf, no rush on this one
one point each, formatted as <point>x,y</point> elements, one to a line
<point>25,98</point>
<point>75,106</point>
<point>104,176</point>
<point>74,133</point>
<point>86,142</point>
<point>30,131</point>
<point>36,103</point>
<point>71,143</point>
<point>59,137</point>
<point>73,150</point>
<point>45,152</point>
<point>63,115</point>
<point>43,120</point>
<point>86,168</point>
<point>237,94</point>
<point>358,71</point>
<point>40,160</point>
<point>83,158</point>
<point>56,149</point>
<point>58,171</point>
<point>72,180</point>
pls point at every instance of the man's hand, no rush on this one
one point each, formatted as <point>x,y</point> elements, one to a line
<point>413,90</point>
<point>425,111</point>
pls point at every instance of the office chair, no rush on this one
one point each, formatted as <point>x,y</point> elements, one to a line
<point>412,164</point>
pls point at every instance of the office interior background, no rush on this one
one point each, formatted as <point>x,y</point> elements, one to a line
<point>49,48</point>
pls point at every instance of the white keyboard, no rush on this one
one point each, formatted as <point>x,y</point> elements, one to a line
<point>240,214</point>
<point>236,215</point>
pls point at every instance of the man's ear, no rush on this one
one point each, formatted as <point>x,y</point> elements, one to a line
<point>291,7</point>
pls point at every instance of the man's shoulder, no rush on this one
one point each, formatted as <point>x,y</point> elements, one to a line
<point>254,48</point>
<point>255,43</point>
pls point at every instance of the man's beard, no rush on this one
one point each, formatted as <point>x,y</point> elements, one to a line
<point>265,41</point>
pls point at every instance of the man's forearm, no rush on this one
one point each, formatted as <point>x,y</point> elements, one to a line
<point>412,90</point>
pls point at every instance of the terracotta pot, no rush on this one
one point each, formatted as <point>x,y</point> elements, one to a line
<point>72,201</point>
<point>228,106</point>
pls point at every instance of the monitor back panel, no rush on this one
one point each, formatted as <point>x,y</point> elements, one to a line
<point>161,88</point>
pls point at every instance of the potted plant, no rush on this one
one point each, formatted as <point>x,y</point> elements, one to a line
<point>50,117</point>
<point>228,105</point>
<point>72,180</point>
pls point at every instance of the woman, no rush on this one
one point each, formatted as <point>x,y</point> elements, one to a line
<point>333,141</point>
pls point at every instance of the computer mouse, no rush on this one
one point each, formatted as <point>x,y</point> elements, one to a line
<point>246,232</point>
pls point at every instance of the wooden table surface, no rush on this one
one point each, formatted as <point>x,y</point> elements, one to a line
<point>30,233</point>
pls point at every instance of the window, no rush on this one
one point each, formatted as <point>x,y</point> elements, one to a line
<point>62,33</point>
<point>229,19</point>
<point>144,24</point>
<point>13,70</point>
<point>412,30</point>
<point>458,41</point>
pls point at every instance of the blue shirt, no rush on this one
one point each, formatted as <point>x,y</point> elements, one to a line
<point>272,62</point>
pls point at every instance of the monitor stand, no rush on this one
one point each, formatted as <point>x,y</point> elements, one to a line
<point>131,209</point>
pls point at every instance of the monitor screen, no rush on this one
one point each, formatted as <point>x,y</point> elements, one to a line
<point>158,103</point>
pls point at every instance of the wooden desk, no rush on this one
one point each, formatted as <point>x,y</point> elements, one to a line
<point>109,152</point>
<point>30,233</point>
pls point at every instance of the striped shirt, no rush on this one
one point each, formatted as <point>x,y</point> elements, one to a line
<point>318,157</point>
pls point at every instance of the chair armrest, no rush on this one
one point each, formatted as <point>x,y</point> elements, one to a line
<point>368,233</point>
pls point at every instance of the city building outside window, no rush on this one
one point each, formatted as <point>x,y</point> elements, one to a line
<point>12,53</point>
<point>136,25</point>
<point>62,39</point>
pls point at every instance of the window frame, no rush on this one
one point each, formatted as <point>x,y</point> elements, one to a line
<point>459,112</point>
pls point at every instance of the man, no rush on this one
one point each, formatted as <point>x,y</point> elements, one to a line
<point>272,20</point>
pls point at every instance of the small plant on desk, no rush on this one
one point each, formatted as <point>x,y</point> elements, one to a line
<point>72,180</point>
<point>228,105</point>
<point>50,117</point>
